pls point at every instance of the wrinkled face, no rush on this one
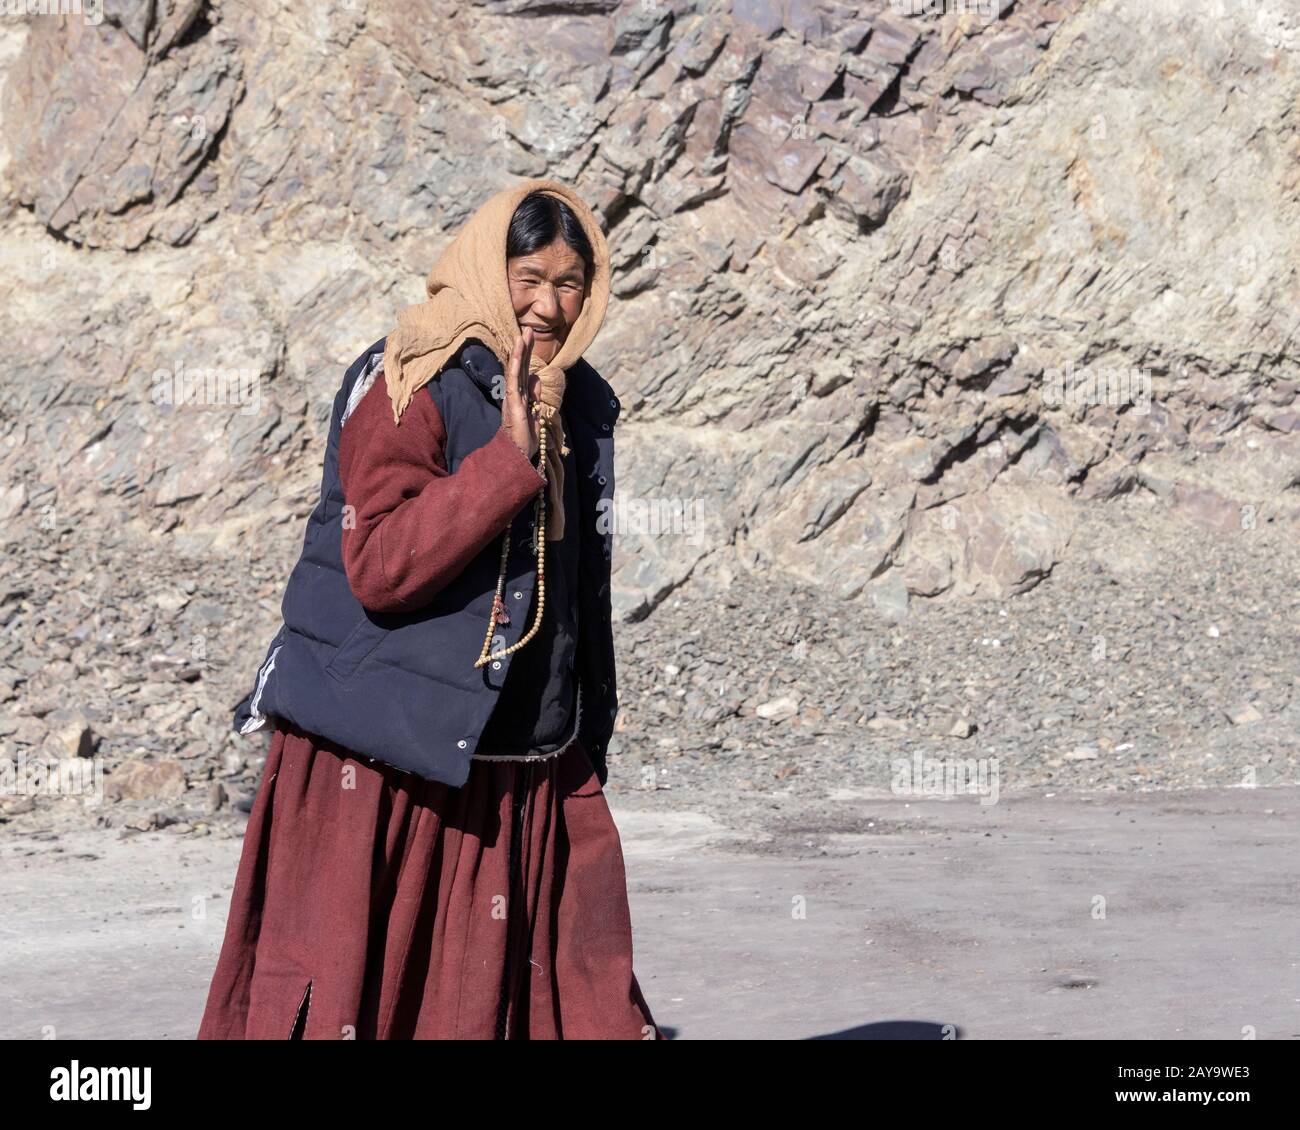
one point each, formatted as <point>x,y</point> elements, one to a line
<point>547,289</point>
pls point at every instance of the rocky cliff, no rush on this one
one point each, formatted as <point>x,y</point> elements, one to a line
<point>915,305</point>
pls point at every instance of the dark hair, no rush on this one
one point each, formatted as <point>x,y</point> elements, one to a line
<point>538,220</point>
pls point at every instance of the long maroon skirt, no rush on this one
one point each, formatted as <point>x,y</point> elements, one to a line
<point>375,904</point>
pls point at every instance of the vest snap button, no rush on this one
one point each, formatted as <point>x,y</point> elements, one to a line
<point>496,665</point>
<point>601,480</point>
<point>519,596</point>
<point>604,427</point>
<point>462,743</point>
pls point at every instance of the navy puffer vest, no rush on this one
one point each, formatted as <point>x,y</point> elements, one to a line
<point>402,687</point>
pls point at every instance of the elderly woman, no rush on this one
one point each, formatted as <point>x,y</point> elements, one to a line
<point>430,854</point>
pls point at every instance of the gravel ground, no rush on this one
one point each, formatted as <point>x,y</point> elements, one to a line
<point>1166,662</point>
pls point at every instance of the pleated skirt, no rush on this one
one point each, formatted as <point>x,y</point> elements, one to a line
<point>370,903</point>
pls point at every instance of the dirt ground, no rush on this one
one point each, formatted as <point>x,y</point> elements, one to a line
<point>1146,916</point>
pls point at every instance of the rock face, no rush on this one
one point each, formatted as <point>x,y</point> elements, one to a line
<point>901,288</point>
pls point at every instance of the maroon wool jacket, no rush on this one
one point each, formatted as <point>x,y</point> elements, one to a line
<point>416,525</point>
<point>386,607</point>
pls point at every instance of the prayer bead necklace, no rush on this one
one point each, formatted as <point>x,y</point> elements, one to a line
<point>498,613</point>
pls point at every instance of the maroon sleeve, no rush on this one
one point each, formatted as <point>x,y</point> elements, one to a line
<point>414,526</point>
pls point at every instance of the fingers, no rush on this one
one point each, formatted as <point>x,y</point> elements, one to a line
<point>522,387</point>
<point>526,352</point>
<point>513,389</point>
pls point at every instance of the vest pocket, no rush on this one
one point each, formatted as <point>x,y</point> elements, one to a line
<point>360,642</point>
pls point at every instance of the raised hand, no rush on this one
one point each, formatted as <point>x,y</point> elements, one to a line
<point>521,388</point>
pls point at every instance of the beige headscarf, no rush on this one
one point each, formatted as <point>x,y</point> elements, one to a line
<point>469,296</point>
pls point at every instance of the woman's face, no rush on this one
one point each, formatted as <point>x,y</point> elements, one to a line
<point>547,289</point>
